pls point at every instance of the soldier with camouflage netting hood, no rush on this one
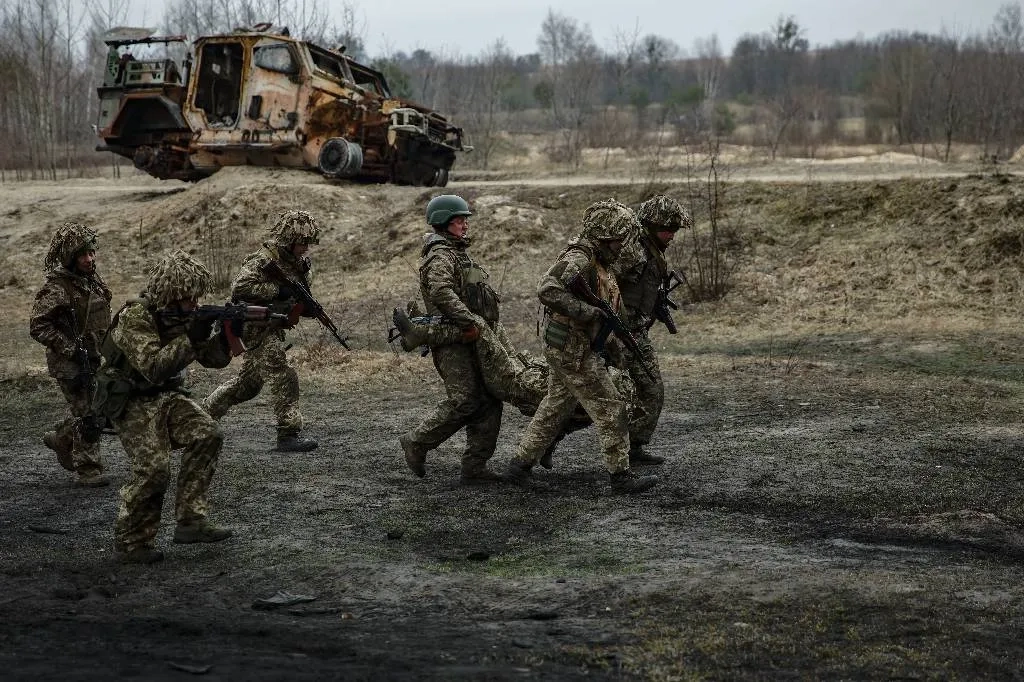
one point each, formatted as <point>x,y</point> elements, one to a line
<point>457,289</point>
<point>640,274</point>
<point>70,315</point>
<point>151,342</point>
<point>576,373</point>
<point>266,362</point>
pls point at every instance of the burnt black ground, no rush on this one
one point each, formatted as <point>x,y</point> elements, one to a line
<point>833,539</point>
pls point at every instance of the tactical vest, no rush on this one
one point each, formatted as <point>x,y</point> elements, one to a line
<point>640,296</point>
<point>474,286</point>
<point>91,310</point>
<point>558,327</point>
<point>298,268</point>
<point>117,381</point>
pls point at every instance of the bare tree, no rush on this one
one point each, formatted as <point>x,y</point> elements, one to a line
<point>573,68</point>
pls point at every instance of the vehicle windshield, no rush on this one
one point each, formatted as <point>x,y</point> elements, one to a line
<point>369,79</point>
<point>329,64</point>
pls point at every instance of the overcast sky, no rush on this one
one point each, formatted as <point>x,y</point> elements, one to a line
<point>467,27</point>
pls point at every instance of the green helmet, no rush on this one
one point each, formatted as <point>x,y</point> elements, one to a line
<point>441,209</point>
<point>70,240</point>
<point>663,213</point>
<point>608,220</point>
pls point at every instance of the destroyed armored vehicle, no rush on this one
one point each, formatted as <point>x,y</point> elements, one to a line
<point>262,98</point>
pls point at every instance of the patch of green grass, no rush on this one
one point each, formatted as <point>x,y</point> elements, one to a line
<point>680,636</point>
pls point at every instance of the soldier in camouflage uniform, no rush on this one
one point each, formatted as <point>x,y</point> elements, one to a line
<point>640,273</point>
<point>265,361</point>
<point>455,287</point>
<point>70,315</point>
<point>151,342</point>
<point>577,373</point>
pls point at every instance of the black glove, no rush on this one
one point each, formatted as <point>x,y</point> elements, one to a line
<point>199,329</point>
<point>284,293</point>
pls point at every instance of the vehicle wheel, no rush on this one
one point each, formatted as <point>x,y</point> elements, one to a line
<point>441,178</point>
<point>340,158</point>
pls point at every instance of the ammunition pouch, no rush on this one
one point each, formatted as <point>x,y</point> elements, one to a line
<point>556,334</point>
<point>112,395</point>
<point>483,300</point>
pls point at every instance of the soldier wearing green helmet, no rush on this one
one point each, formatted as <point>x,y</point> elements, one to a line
<point>577,374</point>
<point>640,274</point>
<point>457,289</point>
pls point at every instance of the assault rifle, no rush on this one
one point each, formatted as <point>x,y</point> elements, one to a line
<point>92,423</point>
<point>610,323</point>
<point>232,317</point>
<point>309,304</point>
<point>663,305</point>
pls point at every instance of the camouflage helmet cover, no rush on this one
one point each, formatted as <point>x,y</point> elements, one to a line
<point>177,277</point>
<point>295,227</point>
<point>608,220</point>
<point>662,213</point>
<point>68,242</point>
<point>442,208</point>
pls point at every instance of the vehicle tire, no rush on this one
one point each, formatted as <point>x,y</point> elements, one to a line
<point>441,178</point>
<point>340,158</point>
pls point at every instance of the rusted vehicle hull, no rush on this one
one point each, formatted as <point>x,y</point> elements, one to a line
<point>260,98</point>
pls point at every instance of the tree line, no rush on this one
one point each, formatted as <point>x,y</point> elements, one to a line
<point>772,89</point>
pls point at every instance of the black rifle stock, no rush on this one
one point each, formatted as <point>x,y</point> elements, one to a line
<point>664,305</point>
<point>610,324</point>
<point>273,270</point>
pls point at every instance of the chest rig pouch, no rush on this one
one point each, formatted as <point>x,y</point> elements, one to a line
<point>476,290</point>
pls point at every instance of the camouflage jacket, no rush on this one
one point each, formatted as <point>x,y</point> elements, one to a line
<point>578,258</point>
<point>252,286</point>
<point>151,353</point>
<point>640,275</point>
<point>67,307</point>
<point>453,284</point>
<point>570,323</point>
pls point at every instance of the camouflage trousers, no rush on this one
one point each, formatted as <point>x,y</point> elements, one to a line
<point>650,393</point>
<point>509,375</point>
<point>84,456</point>
<point>150,429</point>
<point>265,362</point>
<point>468,405</point>
<point>573,379</point>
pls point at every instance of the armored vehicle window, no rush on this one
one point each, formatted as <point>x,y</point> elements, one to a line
<point>369,79</point>
<point>219,86</point>
<point>330,64</point>
<point>275,58</point>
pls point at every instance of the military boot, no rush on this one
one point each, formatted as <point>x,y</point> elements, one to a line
<point>629,482</point>
<point>199,531</point>
<point>415,456</point>
<point>139,555</point>
<point>519,473</point>
<point>415,334</point>
<point>295,443</point>
<point>64,455</point>
<point>92,479</point>
<point>475,472</point>
<point>637,455</point>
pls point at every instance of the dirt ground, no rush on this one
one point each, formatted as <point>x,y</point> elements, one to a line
<point>842,496</point>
